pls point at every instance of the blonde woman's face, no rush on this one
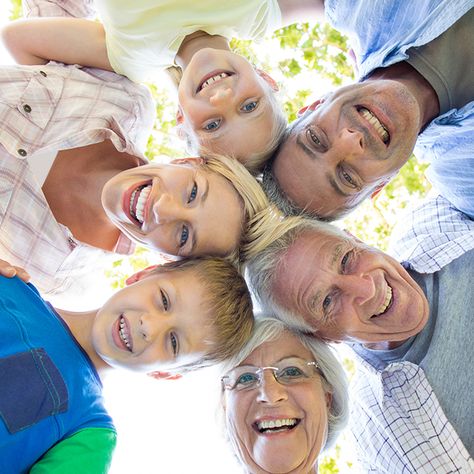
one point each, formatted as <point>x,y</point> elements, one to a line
<point>181,209</point>
<point>225,103</point>
<point>300,410</point>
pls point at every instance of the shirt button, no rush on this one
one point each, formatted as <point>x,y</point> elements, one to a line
<point>22,152</point>
<point>27,108</point>
<point>43,73</point>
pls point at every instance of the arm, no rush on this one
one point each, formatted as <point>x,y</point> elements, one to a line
<point>89,450</point>
<point>56,8</point>
<point>293,11</point>
<point>67,40</point>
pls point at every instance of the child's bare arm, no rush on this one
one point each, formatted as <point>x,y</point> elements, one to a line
<point>301,10</point>
<point>67,40</point>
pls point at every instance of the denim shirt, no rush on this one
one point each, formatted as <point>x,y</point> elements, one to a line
<point>381,31</point>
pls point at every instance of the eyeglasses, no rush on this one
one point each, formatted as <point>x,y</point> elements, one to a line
<point>287,372</point>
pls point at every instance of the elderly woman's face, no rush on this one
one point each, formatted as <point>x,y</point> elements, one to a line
<point>299,411</point>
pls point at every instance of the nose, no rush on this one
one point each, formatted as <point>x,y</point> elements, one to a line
<point>165,209</point>
<point>151,325</point>
<point>352,142</point>
<point>220,96</point>
<point>271,391</point>
<point>360,287</point>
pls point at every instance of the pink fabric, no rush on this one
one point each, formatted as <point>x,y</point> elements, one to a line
<point>56,107</point>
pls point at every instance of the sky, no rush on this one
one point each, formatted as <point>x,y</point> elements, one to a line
<point>164,426</point>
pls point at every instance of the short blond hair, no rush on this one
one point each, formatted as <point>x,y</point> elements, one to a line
<point>257,209</point>
<point>228,305</point>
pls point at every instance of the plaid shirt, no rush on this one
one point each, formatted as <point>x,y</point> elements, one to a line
<point>396,418</point>
<point>431,236</point>
<point>56,107</point>
<point>399,425</point>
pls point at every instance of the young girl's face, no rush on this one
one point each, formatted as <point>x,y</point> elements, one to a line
<point>158,322</point>
<point>224,102</point>
<point>179,209</point>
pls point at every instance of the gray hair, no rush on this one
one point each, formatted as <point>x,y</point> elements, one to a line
<point>262,268</point>
<point>268,329</point>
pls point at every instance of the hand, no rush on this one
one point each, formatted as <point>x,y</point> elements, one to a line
<point>10,271</point>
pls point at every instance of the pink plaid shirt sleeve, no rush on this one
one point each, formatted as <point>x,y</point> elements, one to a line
<point>52,108</point>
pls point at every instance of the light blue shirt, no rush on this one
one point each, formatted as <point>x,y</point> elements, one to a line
<point>381,31</point>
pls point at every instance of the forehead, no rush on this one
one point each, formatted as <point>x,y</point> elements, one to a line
<point>221,219</point>
<point>243,134</point>
<point>302,264</point>
<point>286,345</point>
<point>191,311</point>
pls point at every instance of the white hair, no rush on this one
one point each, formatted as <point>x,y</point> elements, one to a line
<point>262,267</point>
<point>269,329</point>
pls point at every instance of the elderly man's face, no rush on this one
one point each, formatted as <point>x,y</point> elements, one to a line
<point>355,140</point>
<point>348,291</point>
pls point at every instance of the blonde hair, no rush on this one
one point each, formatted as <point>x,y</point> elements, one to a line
<point>259,214</point>
<point>228,305</point>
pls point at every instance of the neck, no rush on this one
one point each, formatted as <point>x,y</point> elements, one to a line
<point>80,325</point>
<point>74,186</point>
<point>195,42</point>
<point>421,89</point>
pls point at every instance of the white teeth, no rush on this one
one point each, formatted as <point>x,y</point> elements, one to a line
<point>124,334</point>
<point>373,120</point>
<point>387,301</point>
<point>213,79</point>
<point>272,424</point>
<point>143,193</point>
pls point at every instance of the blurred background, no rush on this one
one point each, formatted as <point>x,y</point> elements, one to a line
<point>172,426</point>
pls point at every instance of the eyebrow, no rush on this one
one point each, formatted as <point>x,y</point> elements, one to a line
<point>203,199</point>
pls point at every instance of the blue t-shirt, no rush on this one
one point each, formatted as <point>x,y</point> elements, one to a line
<point>49,388</point>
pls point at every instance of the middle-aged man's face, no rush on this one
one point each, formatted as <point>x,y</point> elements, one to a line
<point>347,290</point>
<point>356,139</point>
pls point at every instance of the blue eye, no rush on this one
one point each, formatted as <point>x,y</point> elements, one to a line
<point>247,379</point>
<point>290,372</point>
<point>249,106</point>
<point>164,300</point>
<point>193,193</point>
<point>184,236</point>
<point>174,344</point>
<point>212,125</point>
<point>327,302</point>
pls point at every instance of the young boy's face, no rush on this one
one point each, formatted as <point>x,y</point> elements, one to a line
<point>158,322</point>
<point>224,102</point>
<point>178,209</point>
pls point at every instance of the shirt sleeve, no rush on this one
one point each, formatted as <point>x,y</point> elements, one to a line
<point>88,450</point>
<point>61,8</point>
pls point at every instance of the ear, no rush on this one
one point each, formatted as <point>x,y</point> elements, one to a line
<point>195,161</point>
<point>328,396</point>
<point>140,275</point>
<point>158,375</point>
<point>310,108</point>
<point>268,79</point>
<point>179,116</point>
